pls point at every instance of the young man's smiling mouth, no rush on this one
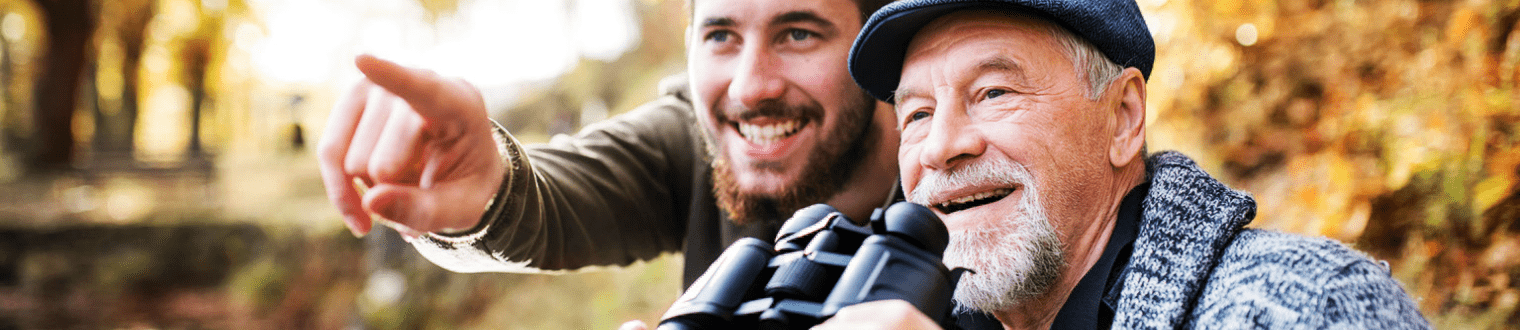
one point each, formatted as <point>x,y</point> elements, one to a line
<point>770,138</point>
<point>769,133</point>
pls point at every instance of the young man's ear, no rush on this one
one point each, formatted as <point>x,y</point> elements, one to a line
<point>1129,118</point>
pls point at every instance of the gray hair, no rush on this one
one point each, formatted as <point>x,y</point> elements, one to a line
<point>1086,60</point>
<point>1090,63</point>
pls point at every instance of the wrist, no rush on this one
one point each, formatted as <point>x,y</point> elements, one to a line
<point>504,146</point>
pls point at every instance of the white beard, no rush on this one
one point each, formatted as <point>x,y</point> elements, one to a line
<point>1016,257</point>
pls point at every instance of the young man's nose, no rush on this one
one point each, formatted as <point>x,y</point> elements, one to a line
<point>757,78</point>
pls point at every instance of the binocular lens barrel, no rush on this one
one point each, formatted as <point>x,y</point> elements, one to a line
<point>711,300</point>
<point>822,262</point>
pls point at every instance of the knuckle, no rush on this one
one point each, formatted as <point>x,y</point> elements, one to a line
<point>379,171</point>
<point>394,170</point>
<point>330,151</point>
<point>384,173</point>
<point>355,165</point>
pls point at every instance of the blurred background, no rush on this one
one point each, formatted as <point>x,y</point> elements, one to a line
<point>157,169</point>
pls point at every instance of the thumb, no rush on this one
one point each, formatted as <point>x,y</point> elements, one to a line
<point>431,95</point>
<point>447,206</point>
<point>399,204</point>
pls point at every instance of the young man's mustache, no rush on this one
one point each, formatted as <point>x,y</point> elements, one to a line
<point>771,109</point>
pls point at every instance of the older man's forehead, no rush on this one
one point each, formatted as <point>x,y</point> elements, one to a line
<point>983,64</point>
<point>955,27</point>
<point>973,46</point>
<point>971,28</point>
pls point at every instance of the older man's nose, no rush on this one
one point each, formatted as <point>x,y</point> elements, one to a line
<point>951,140</point>
<point>757,78</point>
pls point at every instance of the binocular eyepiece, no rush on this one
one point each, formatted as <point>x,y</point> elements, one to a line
<point>820,262</point>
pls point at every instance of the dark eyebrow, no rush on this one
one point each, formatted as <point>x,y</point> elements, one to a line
<point>718,21</point>
<point>802,16</point>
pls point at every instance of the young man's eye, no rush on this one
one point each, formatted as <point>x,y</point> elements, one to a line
<point>717,36</point>
<point>800,35</point>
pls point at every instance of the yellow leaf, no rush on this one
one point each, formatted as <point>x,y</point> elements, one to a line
<point>1489,191</point>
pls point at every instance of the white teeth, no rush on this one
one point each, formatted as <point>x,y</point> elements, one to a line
<point>765,135</point>
<point>976,197</point>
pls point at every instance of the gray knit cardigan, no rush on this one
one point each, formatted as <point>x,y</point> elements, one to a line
<point>1195,266</point>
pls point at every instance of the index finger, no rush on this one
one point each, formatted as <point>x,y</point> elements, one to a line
<point>430,95</point>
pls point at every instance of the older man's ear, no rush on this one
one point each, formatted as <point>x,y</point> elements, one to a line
<point>1129,118</point>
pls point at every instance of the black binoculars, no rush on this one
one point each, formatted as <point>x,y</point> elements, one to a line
<point>821,262</point>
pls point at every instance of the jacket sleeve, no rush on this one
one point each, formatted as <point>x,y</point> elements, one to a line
<point>614,193</point>
<point>1281,281</point>
<point>1364,295</point>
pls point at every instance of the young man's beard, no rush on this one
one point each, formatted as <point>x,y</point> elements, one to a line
<point>839,152</point>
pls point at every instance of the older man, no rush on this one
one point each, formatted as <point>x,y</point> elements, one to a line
<point>771,122</point>
<point>1023,127</point>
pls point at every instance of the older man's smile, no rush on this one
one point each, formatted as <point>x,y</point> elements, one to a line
<point>972,200</point>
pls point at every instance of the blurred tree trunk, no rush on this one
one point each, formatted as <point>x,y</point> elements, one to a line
<point>197,54</point>
<point>197,57</point>
<point>115,134</point>
<point>69,25</point>
<point>10,140</point>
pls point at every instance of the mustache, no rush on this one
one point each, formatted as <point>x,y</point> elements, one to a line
<point>934,186</point>
<point>767,108</point>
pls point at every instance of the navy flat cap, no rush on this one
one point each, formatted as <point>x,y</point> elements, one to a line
<point>1115,27</point>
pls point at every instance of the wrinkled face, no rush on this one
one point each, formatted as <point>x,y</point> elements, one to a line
<point>784,121</point>
<point>990,108</point>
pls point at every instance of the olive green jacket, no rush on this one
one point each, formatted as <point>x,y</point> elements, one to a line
<point>625,189</point>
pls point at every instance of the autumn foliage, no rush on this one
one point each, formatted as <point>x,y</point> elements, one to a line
<point>1391,125</point>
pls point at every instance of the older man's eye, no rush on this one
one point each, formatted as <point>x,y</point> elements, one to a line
<point>917,116</point>
<point>994,93</point>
